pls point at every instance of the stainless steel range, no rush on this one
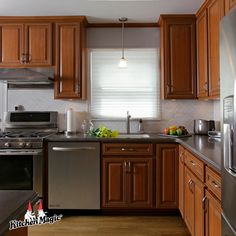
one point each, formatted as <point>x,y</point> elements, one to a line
<point>21,149</point>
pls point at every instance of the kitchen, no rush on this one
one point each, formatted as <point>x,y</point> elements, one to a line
<point>118,150</point>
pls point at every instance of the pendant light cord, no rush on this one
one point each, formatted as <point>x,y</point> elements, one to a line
<point>122,40</point>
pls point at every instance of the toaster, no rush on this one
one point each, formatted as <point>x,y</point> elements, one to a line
<point>203,126</point>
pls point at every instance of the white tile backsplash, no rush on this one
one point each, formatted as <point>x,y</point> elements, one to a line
<point>178,112</point>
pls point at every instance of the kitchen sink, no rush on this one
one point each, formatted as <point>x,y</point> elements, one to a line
<point>133,136</point>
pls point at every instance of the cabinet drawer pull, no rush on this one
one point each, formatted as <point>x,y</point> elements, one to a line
<point>127,170</point>
<point>216,185</point>
<point>205,87</point>
<point>128,149</point>
<point>189,183</point>
<point>204,201</point>
<point>192,163</point>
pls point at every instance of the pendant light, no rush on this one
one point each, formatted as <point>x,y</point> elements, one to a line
<point>123,61</point>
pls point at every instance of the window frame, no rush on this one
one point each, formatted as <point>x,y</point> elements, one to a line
<point>89,83</point>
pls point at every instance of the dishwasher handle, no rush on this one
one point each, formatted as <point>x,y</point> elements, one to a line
<point>72,149</point>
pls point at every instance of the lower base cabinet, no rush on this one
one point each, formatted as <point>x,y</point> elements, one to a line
<point>193,196</point>
<point>199,200</point>
<point>212,215</point>
<point>167,176</point>
<point>127,183</point>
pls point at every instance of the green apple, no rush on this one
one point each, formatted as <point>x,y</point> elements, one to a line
<point>172,132</point>
<point>179,132</point>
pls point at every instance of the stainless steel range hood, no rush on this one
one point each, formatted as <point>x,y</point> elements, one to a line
<point>27,78</point>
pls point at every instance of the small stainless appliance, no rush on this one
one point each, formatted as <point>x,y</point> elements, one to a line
<point>203,126</point>
<point>74,175</point>
<point>21,149</point>
<point>228,101</point>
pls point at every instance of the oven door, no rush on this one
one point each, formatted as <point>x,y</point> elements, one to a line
<point>21,170</point>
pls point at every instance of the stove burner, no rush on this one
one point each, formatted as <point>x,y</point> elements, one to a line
<point>22,134</point>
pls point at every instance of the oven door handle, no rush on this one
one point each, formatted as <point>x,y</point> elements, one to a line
<point>20,153</point>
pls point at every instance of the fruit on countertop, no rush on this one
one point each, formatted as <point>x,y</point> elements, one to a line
<point>166,131</point>
<point>103,132</point>
<point>174,130</point>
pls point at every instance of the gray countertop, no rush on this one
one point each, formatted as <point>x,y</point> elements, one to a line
<point>206,149</point>
<point>13,205</point>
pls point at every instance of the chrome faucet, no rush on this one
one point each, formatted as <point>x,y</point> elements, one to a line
<point>128,123</point>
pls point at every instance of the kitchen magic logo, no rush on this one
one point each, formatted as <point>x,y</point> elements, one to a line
<point>31,218</point>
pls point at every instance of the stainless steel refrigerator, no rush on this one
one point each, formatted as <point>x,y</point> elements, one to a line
<point>228,111</point>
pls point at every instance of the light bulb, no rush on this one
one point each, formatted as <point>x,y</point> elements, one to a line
<point>123,63</point>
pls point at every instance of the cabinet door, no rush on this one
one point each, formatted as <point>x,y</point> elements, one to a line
<point>68,60</point>
<point>194,212</point>
<point>202,56</point>
<point>167,176</point>
<point>189,201</point>
<point>114,193</point>
<point>178,57</point>
<point>11,44</point>
<point>198,209</point>
<point>213,216</point>
<point>181,180</point>
<point>213,48</point>
<point>140,183</point>
<point>38,44</point>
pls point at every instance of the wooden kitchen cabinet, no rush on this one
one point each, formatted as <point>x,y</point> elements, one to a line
<point>114,183</point>
<point>199,195</point>
<point>25,44</point>
<point>181,180</point>
<point>208,49</point>
<point>167,176</point>
<point>11,48</point>
<point>127,180</point>
<point>214,48</point>
<point>194,212</point>
<point>70,60</point>
<point>38,44</point>
<point>202,55</point>
<point>141,184</point>
<point>127,183</point>
<point>178,56</point>
<point>212,215</point>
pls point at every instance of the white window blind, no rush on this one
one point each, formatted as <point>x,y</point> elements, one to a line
<point>136,89</point>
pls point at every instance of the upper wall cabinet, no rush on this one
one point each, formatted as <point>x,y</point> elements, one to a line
<point>25,44</point>
<point>70,60</point>
<point>178,53</point>
<point>208,72</point>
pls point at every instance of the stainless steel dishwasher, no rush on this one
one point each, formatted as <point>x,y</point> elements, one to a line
<point>73,175</point>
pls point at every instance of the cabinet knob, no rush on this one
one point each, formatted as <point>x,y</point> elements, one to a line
<point>205,87</point>
<point>23,58</point>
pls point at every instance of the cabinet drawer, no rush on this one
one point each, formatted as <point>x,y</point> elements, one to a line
<point>122,149</point>
<point>195,165</point>
<point>213,182</point>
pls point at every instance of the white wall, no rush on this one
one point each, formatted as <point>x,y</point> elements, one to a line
<point>180,112</point>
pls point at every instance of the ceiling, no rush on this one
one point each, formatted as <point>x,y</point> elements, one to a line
<point>100,11</point>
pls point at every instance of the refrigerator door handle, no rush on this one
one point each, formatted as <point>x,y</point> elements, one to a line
<point>228,148</point>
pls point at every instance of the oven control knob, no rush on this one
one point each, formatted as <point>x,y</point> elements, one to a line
<point>28,145</point>
<point>21,145</point>
<point>7,145</point>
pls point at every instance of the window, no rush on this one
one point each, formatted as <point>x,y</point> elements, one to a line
<point>136,89</point>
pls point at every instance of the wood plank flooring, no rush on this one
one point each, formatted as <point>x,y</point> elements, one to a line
<point>113,226</point>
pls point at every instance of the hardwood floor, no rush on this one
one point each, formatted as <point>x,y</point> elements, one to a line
<point>113,225</point>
